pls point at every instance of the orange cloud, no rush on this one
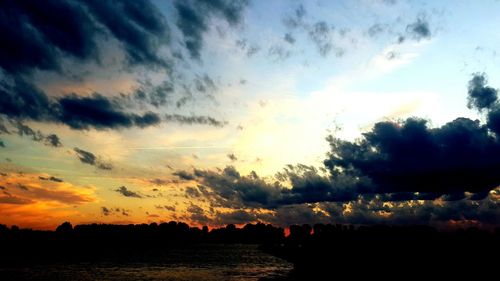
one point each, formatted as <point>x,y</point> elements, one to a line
<point>35,187</point>
<point>30,201</point>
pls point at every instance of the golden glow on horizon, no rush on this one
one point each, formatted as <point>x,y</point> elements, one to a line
<point>29,201</point>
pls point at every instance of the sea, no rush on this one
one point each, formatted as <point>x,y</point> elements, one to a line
<point>195,262</point>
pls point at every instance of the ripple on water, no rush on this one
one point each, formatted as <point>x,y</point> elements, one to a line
<point>201,262</point>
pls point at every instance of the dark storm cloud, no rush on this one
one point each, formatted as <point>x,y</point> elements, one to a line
<point>193,25</point>
<point>89,158</point>
<point>190,120</point>
<point>406,196</point>
<point>409,156</point>
<point>461,156</point>
<point>374,210</point>
<point>235,217</point>
<point>147,119</point>
<point>127,193</point>
<point>99,112</point>
<point>21,100</point>
<point>138,26</point>
<point>494,120</point>
<point>35,39</point>
<point>309,186</point>
<point>194,16</point>
<point>419,29</point>
<point>228,188</point>
<point>480,96</point>
<point>37,34</point>
<point>394,162</point>
<point>485,99</point>
<point>295,214</point>
<point>368,211</point>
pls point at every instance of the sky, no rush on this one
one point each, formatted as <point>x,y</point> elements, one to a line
<point>218,112</point>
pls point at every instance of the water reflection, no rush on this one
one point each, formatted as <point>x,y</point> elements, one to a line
<point>197,262</point>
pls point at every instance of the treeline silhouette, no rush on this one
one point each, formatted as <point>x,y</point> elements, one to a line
<point>314,250</point>
<point>381,251</point>
<point>108,241</point>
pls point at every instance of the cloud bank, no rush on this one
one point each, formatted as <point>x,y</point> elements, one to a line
<point>397,171</point>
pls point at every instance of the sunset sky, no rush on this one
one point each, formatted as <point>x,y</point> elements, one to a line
<point>217,112</point>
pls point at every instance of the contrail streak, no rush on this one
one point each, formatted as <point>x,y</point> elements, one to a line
<point>177,147</point>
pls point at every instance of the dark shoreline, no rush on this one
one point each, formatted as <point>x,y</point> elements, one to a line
<point>319,251</point>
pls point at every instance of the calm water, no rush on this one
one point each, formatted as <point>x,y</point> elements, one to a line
<point>207,262</point>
